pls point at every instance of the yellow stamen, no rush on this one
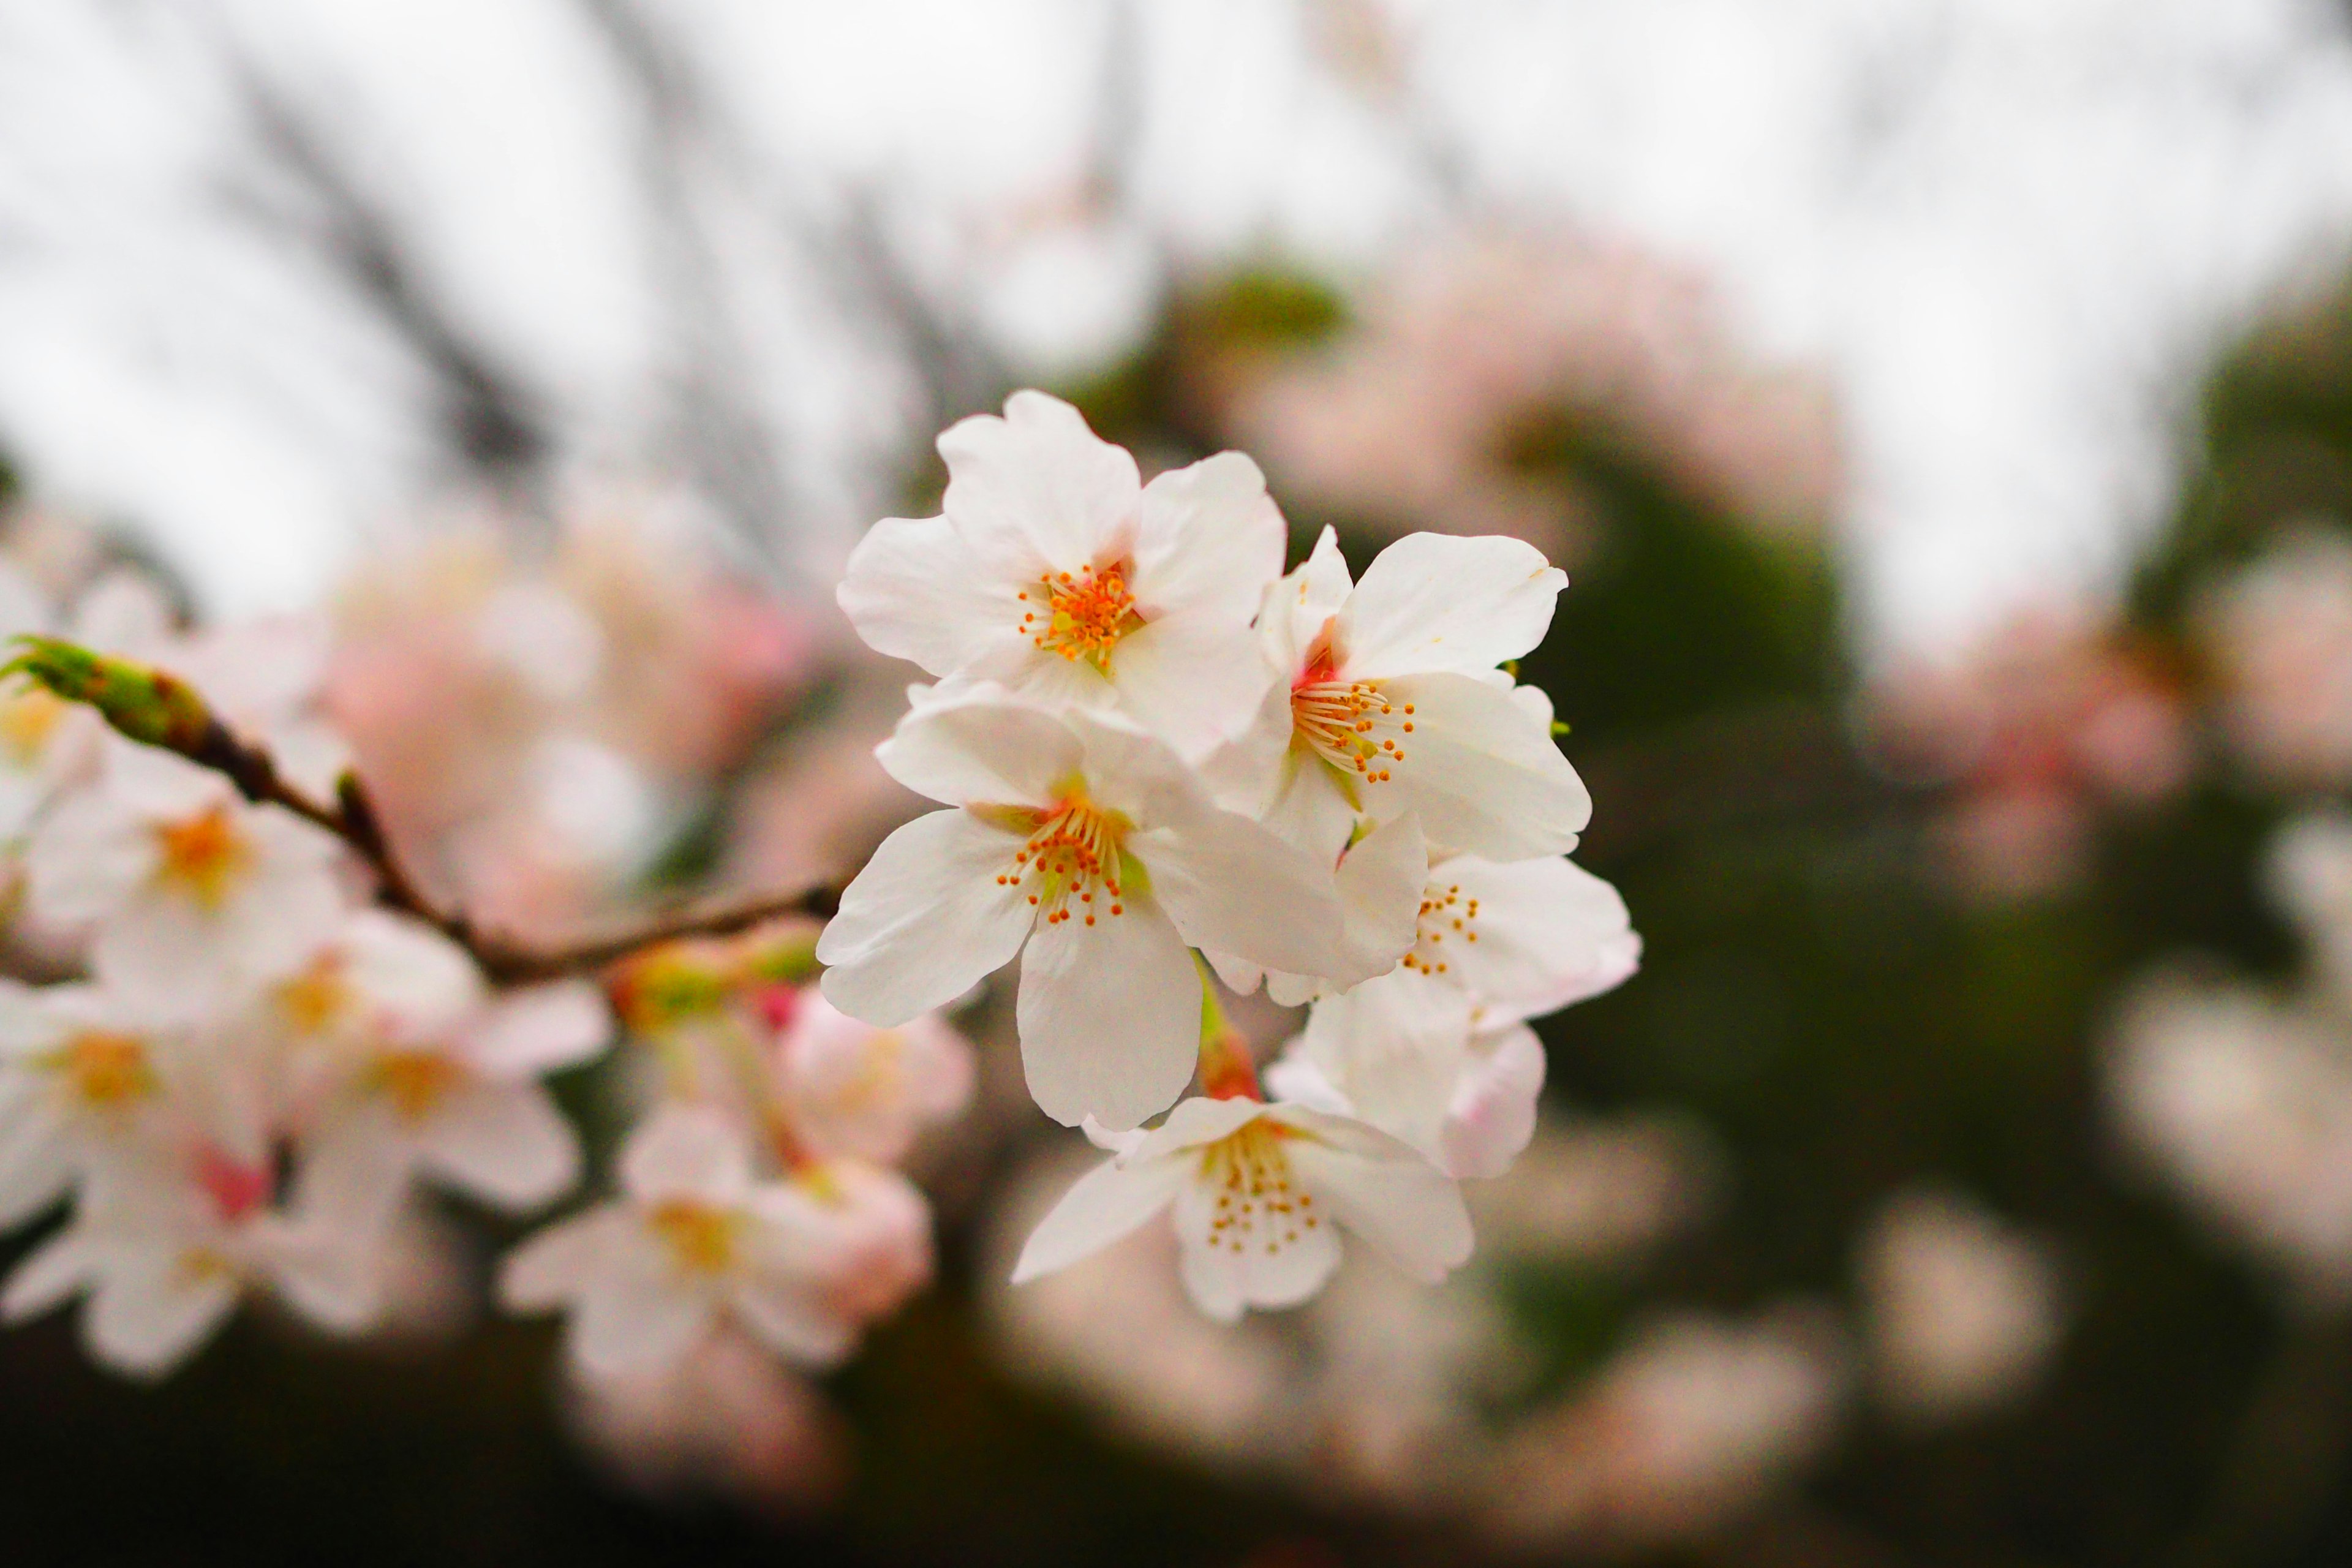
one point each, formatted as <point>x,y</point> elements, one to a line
<point>700,1239</point>
<point>1081,615</point>
<point>203,853</point>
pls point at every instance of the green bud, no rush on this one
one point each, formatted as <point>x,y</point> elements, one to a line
<point>1559,728</point>
<point>149,706</point>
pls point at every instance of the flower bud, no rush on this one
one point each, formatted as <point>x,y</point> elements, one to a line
<point>149,706</point>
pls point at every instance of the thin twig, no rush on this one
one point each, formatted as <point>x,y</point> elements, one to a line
<point>353,819</point>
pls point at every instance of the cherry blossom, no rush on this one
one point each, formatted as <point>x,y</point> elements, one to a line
<point>850,1088</point>
<point>694,1239</point>
<point>1055,572</point>
<point>1260,1193</point>
<point>414,1065</point>
<point>78,1079</point>
<point>1395,702</point>
<point>193,896</point>
<point>1089,843</point>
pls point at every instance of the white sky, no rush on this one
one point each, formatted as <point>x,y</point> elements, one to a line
<point>2007,229</point>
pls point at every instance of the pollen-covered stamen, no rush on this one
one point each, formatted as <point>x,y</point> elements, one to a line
<point>416,1082</point>
<point>203,854</point>
<point>1351,724</point>
<point>103,1069</point>
<point>702,1238</point>
<point>1260,1207</point>
<point>1080,615</point>
<point>1448,915</point>
<point>1070,865</point>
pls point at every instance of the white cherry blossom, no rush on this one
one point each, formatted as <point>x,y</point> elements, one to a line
<point>851,1089</point>
<point>1055,572</point>
<point>165,1247</point>
<point>78,1081</point>
<point>1089,847</point>
<point>1260,1193</point>
<point>694,1239</point>
<point>414,1064</point>
<point>1390,701</point>
<point>195,897</point>
<point>1424,1063</point>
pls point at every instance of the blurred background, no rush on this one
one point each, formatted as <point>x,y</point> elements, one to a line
<point>1943,409</point>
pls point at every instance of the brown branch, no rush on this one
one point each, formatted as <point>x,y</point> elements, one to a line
<point>353,819</point>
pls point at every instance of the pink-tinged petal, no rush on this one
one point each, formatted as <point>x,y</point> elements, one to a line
<point>1210,540</point>
<point>35,1163</point>
<point>410,973</point>
<point>146,1319</point>
<point>916,590</point>
<point>332,1279</point>
<point>87,859</point>
<point>1549,932</point>
<point>1238,976</point>
<point>542,1029</point>
<point>630,1322</point>
<point>686,1152</point>
<point>1383,1191</point>
<point>1267,1258</point>
<point>1231,886</point>
<point>1483,775</point>
<point>51,1277</point>
<point>1106,1203</point>
<point>505,1143</point>
<point>1433,602</point>
<point>789,1320</point>
<point>557,1264</point>
<point>935,912</point>
<point>1493,1112</point>
<point>981,747</point>
<point>1110,1016</point>
<point>1297,609</point>
<point>1038,486</point>
<point>1193,678</point>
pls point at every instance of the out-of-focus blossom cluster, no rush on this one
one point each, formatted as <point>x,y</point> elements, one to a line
<point>2030,739</point>
<point>2278,634</point>
<point>1482,344</point>
<point>249,1080</point>
<point>1162,756</point>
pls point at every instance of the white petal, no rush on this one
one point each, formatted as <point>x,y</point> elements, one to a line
<point>414,973</point>
<point>1039,485</point>
<point>1193,679</point>
<point>916,590</point>
<point>1380,882</point>
<point>145,1321</point>
<point>333,1279</point>
<point>555,1265</point>
<point>926,919</point>
<point>1263,1257</point>
<point>540,1030</point>
<point>789,1320</point>
<point>1195,1123</point>
<point>1493,1112</point>
<point>633,1322</point>
<point>1231,885</point>
<point>1549,932</point>
<point>35,1163</point>
<point>506,1143</point>
<point>1396,1047</point>
<point>1212,1280</point>
<point>1295,1078</point>
<point>1483,775</point>
<point>1105,1203</point>
<point>1210,540</point>
<point>1433,601</point>
<point>981,747</point>
<point>52,1275</point>
<point>86,858</point>
<point>1313,807</point>
<point>1297,608</point>
<point>1383,1190</point>
<point>1110,1016</point>
<point>686,1151</point>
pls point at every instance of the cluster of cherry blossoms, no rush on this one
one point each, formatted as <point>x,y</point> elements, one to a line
<point>1163,759</point>
<point>259,1066</point>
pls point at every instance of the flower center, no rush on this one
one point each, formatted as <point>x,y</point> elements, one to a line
<point>27,720</point>
<point>416,1081</point>
<point>1347,723</point>
<point>1444,912</point>
<point>700,1239</point>
<point>1080,616</point>
<point>316,999</point>
<point>107,1069</point>
<point>1259,1202</point>
<point>202,853</point>
<point>1073,854</point>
